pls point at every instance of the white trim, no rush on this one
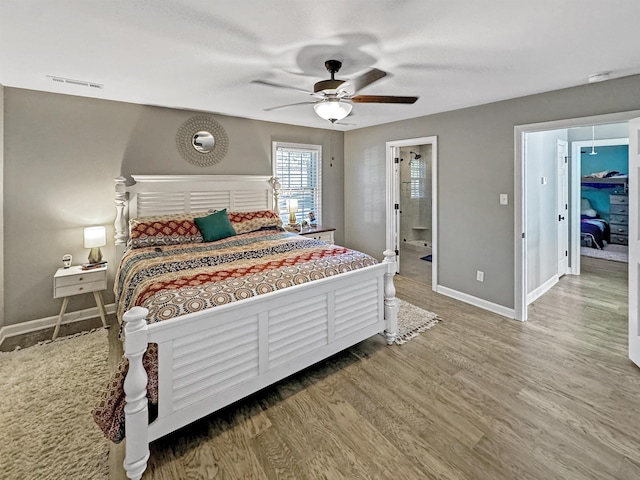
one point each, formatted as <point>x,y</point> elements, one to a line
<point>304,147</point>
<point>520,223</point>
<point>520,261</point>
<point>478,302</point>
<point>176,179</point>
<point>542,289</point>
<point>31,326</point>
<point>634,242</point>
<point>393,187</point>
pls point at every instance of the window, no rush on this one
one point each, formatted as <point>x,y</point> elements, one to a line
<point>418,173</point>
<point>298,167</point>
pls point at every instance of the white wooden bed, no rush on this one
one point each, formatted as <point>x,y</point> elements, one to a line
<point>349,307</point>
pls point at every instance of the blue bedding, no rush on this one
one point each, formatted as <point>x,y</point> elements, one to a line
<point>595,229</point>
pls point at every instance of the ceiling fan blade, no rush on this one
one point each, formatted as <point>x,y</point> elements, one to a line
<point>287,106</point>
<point>364,80</point>
<point>269,83</point>
<point>382,99</point>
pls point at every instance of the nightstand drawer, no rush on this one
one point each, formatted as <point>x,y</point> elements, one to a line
<point>78,288</point>
<point>84,277</point>
<point>323,236</point>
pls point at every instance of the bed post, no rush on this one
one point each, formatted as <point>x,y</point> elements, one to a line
<point>135,389</point>
<point>390,304</point>
<point>120,223</point>
<point>276,193</point>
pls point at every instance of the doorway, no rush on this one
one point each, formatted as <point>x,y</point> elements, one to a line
<point>523,186</point>
<point>412,207</point>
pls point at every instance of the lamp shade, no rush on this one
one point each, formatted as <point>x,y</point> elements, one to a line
<point>332,109</point>
<point>95,237</point>
<point>292,205</point>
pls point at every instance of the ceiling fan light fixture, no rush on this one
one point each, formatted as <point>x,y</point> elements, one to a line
<point>332,109</point>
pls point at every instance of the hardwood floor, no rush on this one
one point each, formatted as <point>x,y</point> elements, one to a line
<point>413,267</point>
<point>477,397</point>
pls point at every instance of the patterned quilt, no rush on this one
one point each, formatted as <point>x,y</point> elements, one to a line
<point>174,280</point>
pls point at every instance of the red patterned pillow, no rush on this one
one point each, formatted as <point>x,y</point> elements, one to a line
<point>245,222</point>
<point>165,230</point>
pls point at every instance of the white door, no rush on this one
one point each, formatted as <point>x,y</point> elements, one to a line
<point>634,239</point>
<point>562,161</point>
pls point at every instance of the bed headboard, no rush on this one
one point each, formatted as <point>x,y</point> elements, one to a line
<point>165,194</point>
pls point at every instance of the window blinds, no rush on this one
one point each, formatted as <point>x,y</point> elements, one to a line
<point>298,170</point>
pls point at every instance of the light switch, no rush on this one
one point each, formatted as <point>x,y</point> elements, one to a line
<point>504,199</point>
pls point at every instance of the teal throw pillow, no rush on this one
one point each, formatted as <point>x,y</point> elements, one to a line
<point>215,226</point>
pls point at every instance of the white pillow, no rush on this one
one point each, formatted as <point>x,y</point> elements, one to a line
<point>585,208</point>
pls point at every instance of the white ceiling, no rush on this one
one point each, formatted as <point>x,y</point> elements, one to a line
<point>202,55</point>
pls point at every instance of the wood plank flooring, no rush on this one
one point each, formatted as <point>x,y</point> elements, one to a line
<point>478,397</point>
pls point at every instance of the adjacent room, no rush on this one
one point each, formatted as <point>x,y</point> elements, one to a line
<point>301,240</point>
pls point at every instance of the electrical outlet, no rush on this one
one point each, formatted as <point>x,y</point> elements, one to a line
<point>480,276</point>
<point>504,199</point>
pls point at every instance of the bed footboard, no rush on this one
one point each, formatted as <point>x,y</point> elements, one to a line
<point>213,358</point>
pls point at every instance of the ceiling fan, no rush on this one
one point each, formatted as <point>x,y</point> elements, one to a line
<point>334,97</point>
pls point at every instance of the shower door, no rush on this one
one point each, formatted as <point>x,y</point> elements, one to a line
<point>415,198</point>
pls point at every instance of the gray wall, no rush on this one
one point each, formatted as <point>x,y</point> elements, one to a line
<point>475,165</point>
<point>61,154</point>
<point>1,206</point>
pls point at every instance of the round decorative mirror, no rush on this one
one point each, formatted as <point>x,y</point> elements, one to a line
<point>202,141</point>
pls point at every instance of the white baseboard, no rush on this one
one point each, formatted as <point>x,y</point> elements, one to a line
<point>542,289</point>
<point>49,322</point>
<point>478,302</point>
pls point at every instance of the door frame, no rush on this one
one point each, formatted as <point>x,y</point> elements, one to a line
<point>634,241</point>
<point>562,189</point>
<point>393,198</point>
<point>520,218</point>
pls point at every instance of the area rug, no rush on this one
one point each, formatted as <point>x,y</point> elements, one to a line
<point>616,253</point>
<point>48,391</point>
<point>412,321</point>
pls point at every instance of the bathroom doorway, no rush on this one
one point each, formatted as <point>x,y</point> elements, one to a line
<point>415,212</point>
<point>411,213</point>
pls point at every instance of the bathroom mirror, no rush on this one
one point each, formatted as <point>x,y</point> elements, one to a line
<point>203,141</point>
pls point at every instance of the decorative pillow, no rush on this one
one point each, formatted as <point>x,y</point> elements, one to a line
<point>245,222</point>
<point>164,230</point>
<point>215,226</point>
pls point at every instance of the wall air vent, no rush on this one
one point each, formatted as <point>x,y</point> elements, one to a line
<point>71,81</point>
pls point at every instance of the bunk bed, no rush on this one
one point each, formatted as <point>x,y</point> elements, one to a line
<point>595,231</point>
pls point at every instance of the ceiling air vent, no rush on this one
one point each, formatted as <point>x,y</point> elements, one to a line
<point>71,81</point>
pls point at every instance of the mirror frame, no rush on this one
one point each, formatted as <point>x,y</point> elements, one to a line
<point>200,157</point>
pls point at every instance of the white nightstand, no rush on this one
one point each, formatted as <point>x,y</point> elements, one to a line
<point>75,281</point>
<point>324,234</point>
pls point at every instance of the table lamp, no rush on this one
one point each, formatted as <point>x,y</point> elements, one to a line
<point>292,207</point>
<point>94,238</point>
